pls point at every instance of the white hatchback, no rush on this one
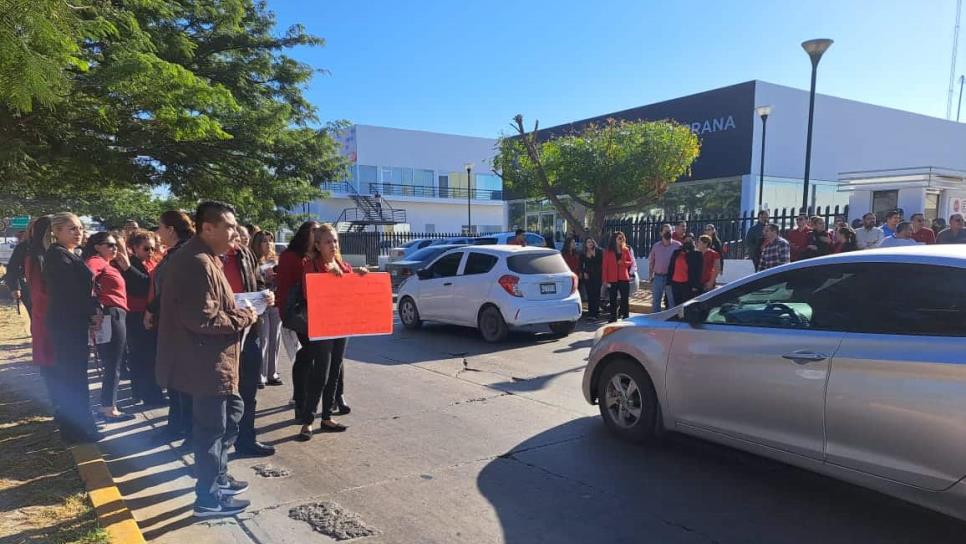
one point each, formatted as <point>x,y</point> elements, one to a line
<point>493,288</point>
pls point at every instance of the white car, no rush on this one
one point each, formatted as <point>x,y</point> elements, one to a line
<point>493,288</point>
<point>401,252</point>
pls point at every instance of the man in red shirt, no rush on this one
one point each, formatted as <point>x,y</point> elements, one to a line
<point>518,240</point>
<point>240,268</point>
<point>680,231</point>
<point>712,263</point>
<point>920,232</point>
<point>798,236</point>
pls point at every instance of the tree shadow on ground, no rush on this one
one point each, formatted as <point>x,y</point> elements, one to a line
<point>597,488</point>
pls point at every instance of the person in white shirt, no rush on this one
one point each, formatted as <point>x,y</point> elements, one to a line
<point>902,237</point>
<point>868,235</point>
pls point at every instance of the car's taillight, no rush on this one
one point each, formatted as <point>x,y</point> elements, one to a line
<point>573,283</point>
<point>509,284</point>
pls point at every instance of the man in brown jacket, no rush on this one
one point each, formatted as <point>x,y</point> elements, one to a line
<point>198,348</point>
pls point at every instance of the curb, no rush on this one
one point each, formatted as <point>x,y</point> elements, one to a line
<point>112,512</point>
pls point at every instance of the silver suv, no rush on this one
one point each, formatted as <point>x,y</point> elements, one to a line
<point>852,365</point>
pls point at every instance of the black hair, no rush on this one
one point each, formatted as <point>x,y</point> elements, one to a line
<point>892,213</point>
<point>519,232</point>
<point>303,238</point>
<point>612,243</point>
<point>97,238</point>
<point>903,226</point>
<point>211,211</point>
<point>40,240</point>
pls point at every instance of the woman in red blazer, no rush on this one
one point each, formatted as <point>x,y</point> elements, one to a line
<point>617,275</point>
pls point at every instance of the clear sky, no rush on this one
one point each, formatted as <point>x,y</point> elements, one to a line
<point>468,66</point>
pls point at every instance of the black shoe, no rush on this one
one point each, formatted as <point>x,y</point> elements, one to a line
<point>223,505</point>
<point>275,381</point>
<point>332,427</point>
<point>231,486</point>
<point>255,449</point>
<point>108,418</point>
<point>341,407</point>
<point>261,385</point>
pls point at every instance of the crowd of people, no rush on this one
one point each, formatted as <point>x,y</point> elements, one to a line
<point>811,237</point>
<point>158,307</point>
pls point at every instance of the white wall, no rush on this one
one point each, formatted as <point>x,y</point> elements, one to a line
<point>850,136</point>
<point>381,146</point>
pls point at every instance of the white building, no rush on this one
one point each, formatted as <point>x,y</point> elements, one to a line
<point>421,182</point>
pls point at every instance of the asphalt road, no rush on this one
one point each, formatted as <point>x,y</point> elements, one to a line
<point>452,439</point>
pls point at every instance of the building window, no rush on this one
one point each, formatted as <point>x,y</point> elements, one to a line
<point>932,207</point>
<point>882,202</point>
<point>423,178</point>
<point>367,175</point>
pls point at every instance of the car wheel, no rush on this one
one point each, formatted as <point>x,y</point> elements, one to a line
<point>491,324</point>
<point>408,314</point>
<point>628,404</point>
<point>563,328</point>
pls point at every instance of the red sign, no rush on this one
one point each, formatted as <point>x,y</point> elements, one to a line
<point>351,305</point>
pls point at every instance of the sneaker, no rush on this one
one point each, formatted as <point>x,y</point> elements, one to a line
<point>222,505</point>
<point>231,486</point>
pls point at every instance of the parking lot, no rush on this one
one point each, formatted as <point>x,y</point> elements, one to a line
<point>452,439</point>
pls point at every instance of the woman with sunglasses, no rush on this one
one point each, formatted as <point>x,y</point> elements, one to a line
<point>143,248</point>
<point>101,255</point>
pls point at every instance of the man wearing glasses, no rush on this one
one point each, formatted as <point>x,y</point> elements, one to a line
<point>955,234</point>
<point>920,232</point>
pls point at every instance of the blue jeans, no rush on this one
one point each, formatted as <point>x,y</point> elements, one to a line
<point>660,287</point>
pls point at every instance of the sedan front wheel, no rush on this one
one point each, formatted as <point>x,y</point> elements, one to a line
<point>627,400</point>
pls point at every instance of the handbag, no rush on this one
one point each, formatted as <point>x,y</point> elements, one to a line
<point>296,312</point>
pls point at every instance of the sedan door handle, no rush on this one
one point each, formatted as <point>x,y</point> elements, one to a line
<point>804,357</point>
<point>447,284</point>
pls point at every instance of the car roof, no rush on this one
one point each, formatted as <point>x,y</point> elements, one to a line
<point>502,249</point>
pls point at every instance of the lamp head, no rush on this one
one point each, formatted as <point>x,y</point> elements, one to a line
<point>815,48</point>
<point>763,111</point>
<point>468,166</point>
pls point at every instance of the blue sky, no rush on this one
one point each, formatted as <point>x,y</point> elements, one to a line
<point>467,66</point>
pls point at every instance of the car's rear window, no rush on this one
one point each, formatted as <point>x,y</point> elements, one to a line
<point>426,253</point>
<point>408,245</point>
<point>544,262</point>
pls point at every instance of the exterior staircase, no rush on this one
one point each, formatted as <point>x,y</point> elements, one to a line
<point>369,210</point>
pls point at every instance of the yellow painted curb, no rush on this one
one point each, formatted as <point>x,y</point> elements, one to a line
<point>112,512</point>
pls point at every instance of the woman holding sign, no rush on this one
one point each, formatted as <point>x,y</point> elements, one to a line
<point>325,355</point>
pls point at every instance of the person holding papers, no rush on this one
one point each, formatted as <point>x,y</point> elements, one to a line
<point>325,356</point>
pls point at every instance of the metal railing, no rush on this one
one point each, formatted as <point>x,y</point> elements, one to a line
<point>374,244</point>
<point>433,192</point>
<point>644,232</point>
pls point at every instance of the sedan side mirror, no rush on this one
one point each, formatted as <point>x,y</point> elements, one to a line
<point>691,312</point>
<point>425,274</point>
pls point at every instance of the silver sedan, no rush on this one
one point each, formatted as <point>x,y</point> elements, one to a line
<point>851,365</point>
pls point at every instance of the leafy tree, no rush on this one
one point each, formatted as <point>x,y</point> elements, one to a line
<point>612,168</point>
<point>195,96</point>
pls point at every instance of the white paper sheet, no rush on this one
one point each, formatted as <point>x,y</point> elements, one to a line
<point>102,335</point>
<point>257,300</point>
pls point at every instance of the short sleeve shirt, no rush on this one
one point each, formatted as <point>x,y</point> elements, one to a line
<point>661,255</point>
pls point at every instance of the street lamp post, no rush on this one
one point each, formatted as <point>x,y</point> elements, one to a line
<point>763,112</point>
<point>962,79</point>
<point>815,49</point>
<point>469,216</point>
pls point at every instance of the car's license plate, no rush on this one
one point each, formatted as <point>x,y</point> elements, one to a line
<point>548,288</point>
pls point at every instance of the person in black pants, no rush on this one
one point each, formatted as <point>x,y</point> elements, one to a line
<point>71,313</point>
<point>175,228</point>
<point>142,343</point>
<point>685,271</point>
<point>239,265</point>
<point>591,274</point>
<point>16,276</point>
<point>322,378</point>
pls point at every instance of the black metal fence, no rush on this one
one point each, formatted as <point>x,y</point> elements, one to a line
<point>644,232</point>
<point>374,244</point>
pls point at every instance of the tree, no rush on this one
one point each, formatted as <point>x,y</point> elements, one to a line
<point>193,96</point>
<point>612,168</point>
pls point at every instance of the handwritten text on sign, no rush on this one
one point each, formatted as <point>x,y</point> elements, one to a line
<point>351,305</point>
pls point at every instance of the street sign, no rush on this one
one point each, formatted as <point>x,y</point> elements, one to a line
<point>19,222</point>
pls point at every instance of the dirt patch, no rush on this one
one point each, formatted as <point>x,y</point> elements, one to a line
<point>42,498</point>
<point>332,520</point>
<point>269,470</point>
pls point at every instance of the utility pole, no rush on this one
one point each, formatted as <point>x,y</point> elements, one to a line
<point>952,67</point>
<point>960,106</point>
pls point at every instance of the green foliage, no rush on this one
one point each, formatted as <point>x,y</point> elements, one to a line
<point>192,95</point>
<point>611,168</point>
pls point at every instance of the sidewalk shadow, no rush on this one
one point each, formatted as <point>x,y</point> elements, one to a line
<point>597,488</point>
